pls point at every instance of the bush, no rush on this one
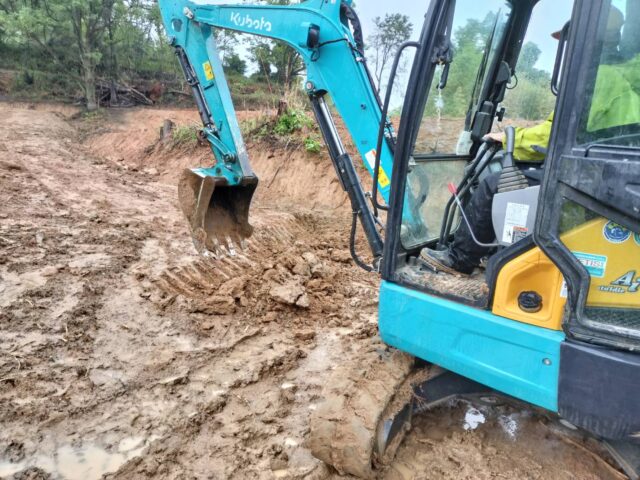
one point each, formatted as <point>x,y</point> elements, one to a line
<point>312,145</point>
<point>292,121</point>
<point>293,129</point>
<point>530,100</point>
<point>41,85</point>
<point>258,127</point>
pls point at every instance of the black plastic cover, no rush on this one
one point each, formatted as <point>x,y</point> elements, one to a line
<point>599,390</point>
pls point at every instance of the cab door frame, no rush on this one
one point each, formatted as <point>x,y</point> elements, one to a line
<point>417,94</point>
<point>422,74</point>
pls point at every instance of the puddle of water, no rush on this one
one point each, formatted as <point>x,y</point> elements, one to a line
<point>88,462</point>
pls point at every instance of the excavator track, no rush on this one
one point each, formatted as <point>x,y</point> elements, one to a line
<point>366,411</point>
<point>369,402</point>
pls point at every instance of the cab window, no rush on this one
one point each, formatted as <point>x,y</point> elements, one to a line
<point>440,151</point>
<point>612,114</point>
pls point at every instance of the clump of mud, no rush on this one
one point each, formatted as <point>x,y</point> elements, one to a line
<point>282,274</point>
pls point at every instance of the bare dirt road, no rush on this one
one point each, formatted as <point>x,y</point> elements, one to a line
<point>123,353</point>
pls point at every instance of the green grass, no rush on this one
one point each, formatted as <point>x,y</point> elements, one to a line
<point>312,145</point>
<point>185,135</point>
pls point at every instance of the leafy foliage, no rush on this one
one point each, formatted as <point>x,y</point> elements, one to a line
<point>292,129</point>
<point>312,145</point>
<point>293,120</point>
<point>278,64</point>
<point>185,135</point>
<point>529,98</point>
<point>77,42</point>
<point>233,64</point>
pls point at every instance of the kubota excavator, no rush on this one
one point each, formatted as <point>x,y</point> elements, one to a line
<point>553,317</point>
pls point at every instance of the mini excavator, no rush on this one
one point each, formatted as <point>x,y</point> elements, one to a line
<point>553,317</point>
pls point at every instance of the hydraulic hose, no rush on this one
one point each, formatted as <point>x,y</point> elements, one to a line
<point>352,245</point>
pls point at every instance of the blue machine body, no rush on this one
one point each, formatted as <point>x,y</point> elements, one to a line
<point>515,358</point>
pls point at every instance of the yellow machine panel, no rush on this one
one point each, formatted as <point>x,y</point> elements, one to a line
<point>609,252</point>
<point>532,271</point>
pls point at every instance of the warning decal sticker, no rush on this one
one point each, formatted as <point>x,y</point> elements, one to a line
<point>208,70</point>
<point>515,222</point>
<point>383,179</point>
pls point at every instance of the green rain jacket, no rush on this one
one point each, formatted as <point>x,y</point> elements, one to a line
<point>616,97</point>
<point>528,137</point>
<point>615,102</point>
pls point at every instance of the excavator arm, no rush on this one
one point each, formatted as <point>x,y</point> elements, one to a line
<point>216,199</point>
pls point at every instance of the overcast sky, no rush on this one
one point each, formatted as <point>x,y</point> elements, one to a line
<point>548,16</point>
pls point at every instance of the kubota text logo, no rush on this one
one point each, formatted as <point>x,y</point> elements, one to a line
<point>247,21</point>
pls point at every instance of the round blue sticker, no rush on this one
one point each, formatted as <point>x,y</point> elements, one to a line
<point>616,233</point>
<point>636,236</point>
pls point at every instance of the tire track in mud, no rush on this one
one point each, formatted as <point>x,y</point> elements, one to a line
<point>285,272</point>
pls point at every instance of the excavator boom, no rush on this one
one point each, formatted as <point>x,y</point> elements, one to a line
<point>216,199</point>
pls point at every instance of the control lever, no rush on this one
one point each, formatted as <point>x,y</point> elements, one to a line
<point>508,160</point>
<point>454,192</point>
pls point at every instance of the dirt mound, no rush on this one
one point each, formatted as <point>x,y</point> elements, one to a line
<point>283,273</point>
<point>288,176</point>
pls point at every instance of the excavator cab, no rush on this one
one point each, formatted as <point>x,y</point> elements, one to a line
<point>554,317</point>
<point>445,143</point>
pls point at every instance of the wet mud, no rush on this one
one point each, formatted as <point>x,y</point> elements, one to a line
<point>125,355</point>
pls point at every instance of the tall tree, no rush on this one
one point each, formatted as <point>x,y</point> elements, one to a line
<point>383,44</point>
<point>276,60</point>
<point>528,57</point>
<point>70,32</point>
<point>90,19</point>
<point>234,64</point>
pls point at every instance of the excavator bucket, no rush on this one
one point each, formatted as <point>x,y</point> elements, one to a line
<point>218,213</point>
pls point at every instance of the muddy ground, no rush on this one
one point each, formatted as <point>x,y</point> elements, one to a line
<point>123,353</point>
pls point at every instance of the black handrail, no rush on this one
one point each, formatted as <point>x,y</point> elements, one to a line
<point>555,78</point>
<point>384,123</point>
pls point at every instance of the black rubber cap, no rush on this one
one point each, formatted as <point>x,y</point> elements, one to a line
<point>530,302</point>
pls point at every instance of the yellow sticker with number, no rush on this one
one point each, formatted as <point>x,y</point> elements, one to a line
<point>383,180</point>
<point>208,70</point>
